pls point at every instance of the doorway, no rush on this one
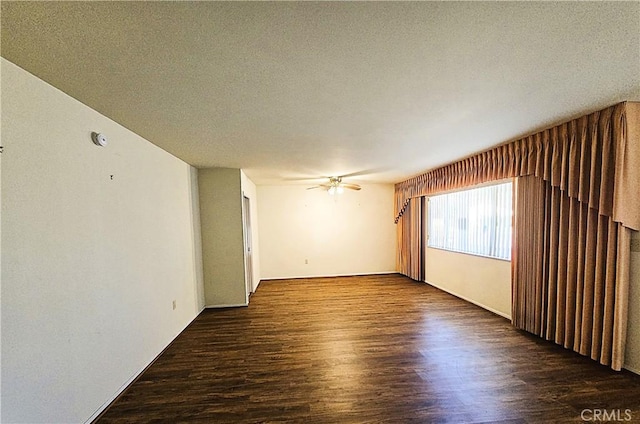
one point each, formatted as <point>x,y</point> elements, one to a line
<point>248,256</point>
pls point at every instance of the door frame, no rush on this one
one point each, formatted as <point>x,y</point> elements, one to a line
<point>247,245</point>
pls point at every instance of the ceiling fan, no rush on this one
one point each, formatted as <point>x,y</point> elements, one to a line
<point>336,186</point>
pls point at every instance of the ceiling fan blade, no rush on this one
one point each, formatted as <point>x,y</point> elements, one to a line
<point>322,186</point>
<point>351,186</point>
<point>306,179</point>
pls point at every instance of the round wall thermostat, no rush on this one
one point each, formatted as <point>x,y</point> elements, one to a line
<point>99,139</point>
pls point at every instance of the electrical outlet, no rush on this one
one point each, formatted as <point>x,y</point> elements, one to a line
<point>306,261</point>
<point>173,304</point>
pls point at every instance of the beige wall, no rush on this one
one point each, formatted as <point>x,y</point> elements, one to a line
<point>90,264</point>
<point>222,242</point>
<point>249,190</point>
<point>483,281</point>
<point>632,357</point>
<point>352,233</point>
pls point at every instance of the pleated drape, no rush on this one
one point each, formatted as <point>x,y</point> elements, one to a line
<point>594,158</point>
<point>570,272</point>
<point>409,259</point>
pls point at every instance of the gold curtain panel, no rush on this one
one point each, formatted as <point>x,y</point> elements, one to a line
<point>409,241</point>
<point>570,273</point>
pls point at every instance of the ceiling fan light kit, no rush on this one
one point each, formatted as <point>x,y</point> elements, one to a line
<point>336,186</point>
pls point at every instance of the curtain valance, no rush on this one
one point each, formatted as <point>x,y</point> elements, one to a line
<point>594,159</point>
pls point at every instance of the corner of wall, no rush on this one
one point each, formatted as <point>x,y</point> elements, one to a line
<point>249,189</point>
<point>222,238</point>
<point>197,236</point>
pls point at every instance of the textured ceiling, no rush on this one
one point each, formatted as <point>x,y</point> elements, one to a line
<point>287,90</point>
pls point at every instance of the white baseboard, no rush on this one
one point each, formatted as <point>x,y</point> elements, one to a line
<point>137,374</point>
<point>488,308</point>
<point>331,275</point>
<point>256,287</point>
<point>237,305</point>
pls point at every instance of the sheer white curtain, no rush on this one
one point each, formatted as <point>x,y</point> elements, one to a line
<point>476,221</point>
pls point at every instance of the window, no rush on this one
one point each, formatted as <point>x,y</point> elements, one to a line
<point>476,221</point>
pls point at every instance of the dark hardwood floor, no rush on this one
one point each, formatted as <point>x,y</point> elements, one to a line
<point>368,349</point>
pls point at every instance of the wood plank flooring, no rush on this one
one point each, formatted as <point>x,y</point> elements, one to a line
<point>381,349</point>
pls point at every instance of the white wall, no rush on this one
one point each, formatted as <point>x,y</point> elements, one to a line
<point>249,190</point>
<point>90,264</point>
<point>483,281</point>
<point>222,237</point>
<point>352,233</point>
